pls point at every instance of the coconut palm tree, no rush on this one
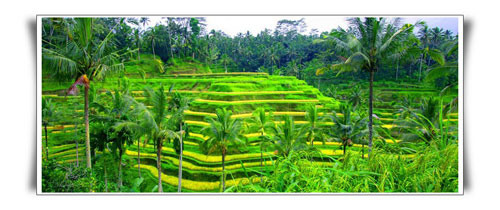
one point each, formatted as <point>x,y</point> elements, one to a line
<point>85,58</point>
<point>151,34</point>
<point>365,45</point>
<point>223,135</point>
<point>157,124</point>
<point>225,60</point>
<point>48,115</point>
<point>119,110</point>
<point>179,104</point>
<point>426,123</point>
<point>288,137</point>
<point>348,127</point>
<point>264,125</point>
<point>313,131</point>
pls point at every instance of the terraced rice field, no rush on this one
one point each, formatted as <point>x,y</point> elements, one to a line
<point>240,92</point>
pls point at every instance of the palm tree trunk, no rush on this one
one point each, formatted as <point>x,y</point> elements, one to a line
<point>46,143</point>
<point>158,165</point>
<point>223,174</point>
<point>153,48</point>
<point>76,142</point>
<point>120,170</point>
<point>139,156</point>
<point>225,67</point>
<point>370,112</point>
<point>170,43</point>
<point>420,68</point>
<point>179,186</point>
<point>87,134</point>
<point>319,82</point>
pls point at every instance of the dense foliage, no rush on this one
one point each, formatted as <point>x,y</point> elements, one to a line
<point>173,107</point>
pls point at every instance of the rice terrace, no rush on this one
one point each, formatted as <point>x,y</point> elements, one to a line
<point>168,104</point>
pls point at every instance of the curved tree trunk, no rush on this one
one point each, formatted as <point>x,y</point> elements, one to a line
<point>370,117</point>
<point>158,165</point>
<point>87,135</point>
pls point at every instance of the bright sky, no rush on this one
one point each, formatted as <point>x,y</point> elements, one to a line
<point>233,25</point>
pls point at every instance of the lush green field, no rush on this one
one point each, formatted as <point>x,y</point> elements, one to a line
<point>395,165</point>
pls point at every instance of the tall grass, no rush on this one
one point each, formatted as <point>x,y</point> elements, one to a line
<point>432,170</point>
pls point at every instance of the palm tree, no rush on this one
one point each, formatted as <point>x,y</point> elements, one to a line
<point>144,21</point>
<point>119,110</point>
<point>444,69</point>
<point>157,124</point>
<point>223,134</point>
<point>313,131</point>
<point>48,115</point>
<point>137,36</point>
<point>225,60</point>
<point>179,104</point>
<point>262,123</point>
<point>356,96</point>
<point>152,37</point>
<point>369,42</point>
<point>348,127</point>
<point>426,122</point>
<point>85,59</point>
<point>288,137</point>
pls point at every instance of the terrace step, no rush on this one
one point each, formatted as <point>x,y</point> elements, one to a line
<point>279,101</point>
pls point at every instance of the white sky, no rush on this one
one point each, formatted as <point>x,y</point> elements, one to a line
<point>233,25</point>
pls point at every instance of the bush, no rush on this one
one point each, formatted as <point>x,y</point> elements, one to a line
<point>58,177</point>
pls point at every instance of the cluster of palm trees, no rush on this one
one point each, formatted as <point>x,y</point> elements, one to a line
<point>285,137</point>
<point>368,41</point>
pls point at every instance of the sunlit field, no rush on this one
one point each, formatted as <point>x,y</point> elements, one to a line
<point>128,107</point>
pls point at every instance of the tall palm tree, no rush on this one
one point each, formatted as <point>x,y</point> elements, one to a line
<point>223,134</point>
<point>179,104</point>
<point>152,37</point>
<point>144,21</point>
<point>263,124</point>
<point>157,124</point>
<point>367,43</point>
<point>137,36</point>
<point>119,110</point>
<point>48,116</point>
<point>225,60</point>
<point>86,58</point>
